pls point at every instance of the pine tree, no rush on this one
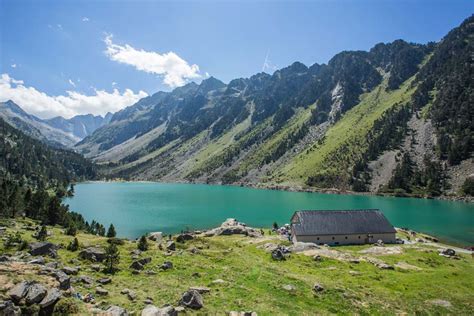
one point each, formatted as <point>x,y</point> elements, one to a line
<point>42,234</point>
<point>143,243</point>
<point>111,233</point>
<point>112,258</point>
<point>73,245</point>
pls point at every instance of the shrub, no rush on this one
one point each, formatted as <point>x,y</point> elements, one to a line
<point>66,306</point>
<point>111,233</point>
<point>143,243</point>
<point>73,245</point>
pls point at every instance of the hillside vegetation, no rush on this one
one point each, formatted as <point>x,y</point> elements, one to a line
<point>236,273</point>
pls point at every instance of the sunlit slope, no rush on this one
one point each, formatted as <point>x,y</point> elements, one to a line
<point>332,158</point>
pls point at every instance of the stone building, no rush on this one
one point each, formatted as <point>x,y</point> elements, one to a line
<point>345,227</point>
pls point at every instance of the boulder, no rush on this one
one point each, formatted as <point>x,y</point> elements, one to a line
<point>52,265</point>
<point>95,254</point>
<point>85,279</point>
<point>43,249</point>
<point>38,260</point>
<point>171,245</point>
<point>125,291</point>
<point>36,293</point>
<point>290,288</point>
<point>70,270</point>
<point>19,291</point>
<point>138,264</point>
<point>155,236</point>
<point>317,288</point>
<point>4,258</point>
<point>96,267</point>
<point>51,298</point>
<point>132,295</point>
<point>7,308</point>
<point>191,299</point>
<point>277,254</point>
<point>63,279</point>
<point>104,280</point>
<point>166,265</point>
<point>101,291</point>
<point>318,258</point>
<point>116,311</point>
<point>448,252</point>
<point>184,237</point>
<point>152,310</point>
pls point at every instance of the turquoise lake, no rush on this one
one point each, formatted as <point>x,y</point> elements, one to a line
<point>136,208</point>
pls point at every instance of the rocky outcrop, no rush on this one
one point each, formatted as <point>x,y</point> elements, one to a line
<point>191,299</point>
<point>152,310</point>
<point>94,254</point>
<point>43,249</point>
<point>232,227</point>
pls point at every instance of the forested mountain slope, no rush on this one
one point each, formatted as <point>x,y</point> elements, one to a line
<point>361,122</point>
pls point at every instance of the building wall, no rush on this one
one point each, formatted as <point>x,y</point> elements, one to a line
<point>352,239</point>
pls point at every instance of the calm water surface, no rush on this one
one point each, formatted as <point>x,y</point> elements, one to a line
<point>136,208</point>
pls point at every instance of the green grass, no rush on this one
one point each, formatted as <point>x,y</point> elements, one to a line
<point>345,141</point>
<point>254,280</point>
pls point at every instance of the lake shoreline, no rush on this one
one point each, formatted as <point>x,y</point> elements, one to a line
<point>288,188</point>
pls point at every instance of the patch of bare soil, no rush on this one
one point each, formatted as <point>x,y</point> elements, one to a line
<point>380,251</point>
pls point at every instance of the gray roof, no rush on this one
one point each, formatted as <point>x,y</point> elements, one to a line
<point>332,222</point>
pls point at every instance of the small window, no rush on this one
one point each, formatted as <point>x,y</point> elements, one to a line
<point>346,237</point>
<point>359,237</point>
<point>332,238</point>
<point>317,238</point>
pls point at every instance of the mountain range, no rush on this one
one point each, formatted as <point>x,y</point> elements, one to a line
<point>395,119</point>
<point>57,131</point>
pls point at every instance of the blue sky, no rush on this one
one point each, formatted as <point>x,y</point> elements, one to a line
<point>90,48</point>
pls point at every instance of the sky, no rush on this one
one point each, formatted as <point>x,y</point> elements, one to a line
<point>77,57</point>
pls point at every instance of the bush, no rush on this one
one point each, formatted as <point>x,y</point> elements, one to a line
<point>23,245</point>
<point>116,241</point>
<point>143,243</point>
<point>66,306</point>
<point>71,230</point>
<point>13,240</point>
<point>73,245</point>
<point>468,186</point>
<point>42,234</point>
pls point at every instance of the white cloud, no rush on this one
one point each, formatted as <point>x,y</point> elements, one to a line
<point>114,83</point>
<point>175,70</point>
<point>72,83</point>
<point>13,65</point>
<point>85,19</point>
<point>73,103</point>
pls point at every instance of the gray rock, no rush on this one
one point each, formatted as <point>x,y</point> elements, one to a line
<point>124,291</point>
<point>36,293</point>
<point>96,267</point>
<point>155,236</point>
<point>278,255</point>
<point>318,258</point>
<point>104,280</point>
<point>166,265</point>
<point>384,266</point>
<point>184,237</point>
<point>4,258</point>
<point>19,291</point>
<point>52,265</point>
<point>43,249</point>
<point>136,252</point>
<point>139,264</point>
<point>70,270</point>
<point>85,279</point>
<point>191,299</point>
<point>448,252</point>
<point>101,291</point>
<point>38,260</point>
<point>51,298</point>
<point>152,310</point>
<point>171,245</point>
<point>132,295</point>
<point>317,288</point>
<point>7,308</point>
<point>303,246</point>
<point>95,254</point>
<point>289,288</point>
<point>148,301</point>
<point>116,311</point>
<point>63,279</point>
